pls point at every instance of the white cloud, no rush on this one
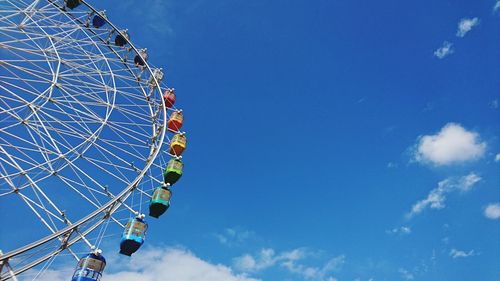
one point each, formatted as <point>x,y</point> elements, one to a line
<point>405,274</point>
<point>405,230</point>
<point>466,183</point>
<point>266,258</point>
<point>454,253</point>
<point>290,260</point>
<point>234,236</point>
<point>497,6</point>
<point>437,197</point>
<point>492,211</point>
<point>391,165</point>
<point>494,103</point>
<point>465,25</point>
<point>312,272</point>
<point>497,157</point>
<point>453,144</point>
<point>162,264</point>
<point>399,230</point>
<point>445,50</point>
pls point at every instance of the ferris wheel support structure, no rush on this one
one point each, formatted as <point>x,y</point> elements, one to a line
<point>75,231</point>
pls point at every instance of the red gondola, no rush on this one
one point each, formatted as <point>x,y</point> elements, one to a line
<point>169,97</point>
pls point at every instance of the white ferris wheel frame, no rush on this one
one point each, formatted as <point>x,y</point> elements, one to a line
<point>76,231</point>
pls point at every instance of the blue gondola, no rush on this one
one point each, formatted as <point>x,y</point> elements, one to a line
<point>90,268</point>
<point>72,3</point>
<point>98,21</point>
<point>121,40</point>
<point>133,236</point>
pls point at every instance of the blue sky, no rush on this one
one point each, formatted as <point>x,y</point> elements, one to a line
<point>327,140</point>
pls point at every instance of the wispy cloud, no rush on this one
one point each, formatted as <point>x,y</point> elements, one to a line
<point>315,273</point>
<point>454,253</point>
<point>445,50</point>
<point>452,144</point>
<point>497,6</point>
<point>391,165</point>
<point>492,211</point>
<point>290,260</point>
<point>405,274</point>
<point>437,197</point>
<point>399,230</point>
<point>361,100</point>
<point>494,104</point>
<point>264,259</point>
<point>234,236</point>
<point>465,25</point>
<point>497,157</point>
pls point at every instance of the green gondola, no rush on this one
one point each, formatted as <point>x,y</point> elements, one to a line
<point>160,202</point>
<point>173,171</point>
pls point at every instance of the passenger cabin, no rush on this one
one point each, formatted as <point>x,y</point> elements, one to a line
<point>175,121</point>
<point>98,20</point>
<point>72,3</point>
<point>160,201</point>
<point>121,39</point>
<point>173,171</point>
<point>90,268</point>
<point>133,236</point>
<point>169,97</point>
<point>178,144</point>
<point>141,58</point>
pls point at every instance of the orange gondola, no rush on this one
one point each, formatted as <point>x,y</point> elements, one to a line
<point>176,120</point>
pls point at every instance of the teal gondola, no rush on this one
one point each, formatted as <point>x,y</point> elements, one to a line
<point>160,201</point>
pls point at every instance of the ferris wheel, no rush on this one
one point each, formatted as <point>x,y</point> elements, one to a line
<point>90,139</point>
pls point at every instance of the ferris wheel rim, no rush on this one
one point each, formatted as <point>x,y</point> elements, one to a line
<point>114,203</point>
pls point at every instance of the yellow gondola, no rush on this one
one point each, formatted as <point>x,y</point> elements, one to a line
<point>178,144</point>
